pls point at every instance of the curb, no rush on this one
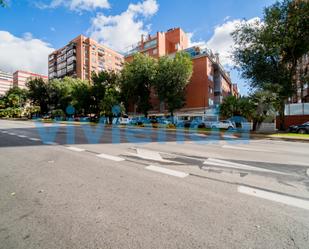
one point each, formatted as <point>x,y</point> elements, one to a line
<point>237,135</point>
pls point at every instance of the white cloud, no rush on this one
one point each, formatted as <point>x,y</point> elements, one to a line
<point>77,5</point>
<point>194,43</point>
<point>123,30</point>
<point>221,41</point>
<point>23,53</point>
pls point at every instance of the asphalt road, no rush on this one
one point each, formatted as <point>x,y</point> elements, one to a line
<point>122,188</point>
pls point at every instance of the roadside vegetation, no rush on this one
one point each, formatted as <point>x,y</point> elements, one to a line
<point>95,99</point>
<point>268,52</point>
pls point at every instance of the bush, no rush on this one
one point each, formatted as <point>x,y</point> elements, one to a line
<point>11,112</point>
<point>58,114</point>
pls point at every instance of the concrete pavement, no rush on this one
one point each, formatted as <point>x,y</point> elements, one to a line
<point>150,195</point>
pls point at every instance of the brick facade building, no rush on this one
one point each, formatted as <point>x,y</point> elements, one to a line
<point>82,56</point>
<point>209,83</point>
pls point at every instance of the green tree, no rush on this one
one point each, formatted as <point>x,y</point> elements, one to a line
<point>267,52</point>
<point>172,77</point>
<point>38,94</point>
<point>256,108</point>
<point>137,80</point>
<point>100,83</point>
<point>2,3</point>
<point>81,97</point>
<point>61,92</point>
<point>111,100</point>
<point>16,97</point>
<point>263,104</point>
<point>231,107</point>
<point>13,100</point>
<point>2,103</point>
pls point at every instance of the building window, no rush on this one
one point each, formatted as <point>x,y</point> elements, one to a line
<point>210,90</point>
<point>210,102</point>
<point>151,43</point>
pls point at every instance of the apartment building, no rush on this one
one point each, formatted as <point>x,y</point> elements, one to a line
<point>6,82</point>
<point>82,56</point>
<point>161,44</point>
<point>21,77</point>
<point>209,83</point>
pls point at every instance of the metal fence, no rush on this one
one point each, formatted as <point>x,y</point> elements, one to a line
<point>297,109</point>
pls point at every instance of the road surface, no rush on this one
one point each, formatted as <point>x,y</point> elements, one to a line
<point>131,189</point>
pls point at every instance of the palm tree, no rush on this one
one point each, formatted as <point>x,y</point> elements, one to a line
<point>265,103</point>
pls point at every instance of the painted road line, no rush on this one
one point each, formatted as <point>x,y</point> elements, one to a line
<point>109,157</point>
<point>12,133</point>
<point>291,201</point>
<point>50,143</point>
<point>167,171</point>
<point>34,139</point>
<point>75,149</point>
<point>227,164</point>
<point>21,136</point>
<point>5,132</point>
<point>229,136</point>
<point>243,148</point>
<point>151,155</point>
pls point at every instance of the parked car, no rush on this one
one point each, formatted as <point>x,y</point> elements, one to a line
<point>223,124</point>
<point>194,124</point>
<point>139,121</point>
<point>301,129</point>
<point>124,120</point>
<point>163,121</point>
<point>81,119</point>
<point>47,116</point>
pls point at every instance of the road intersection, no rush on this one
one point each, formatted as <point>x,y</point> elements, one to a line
<point>253,194</point>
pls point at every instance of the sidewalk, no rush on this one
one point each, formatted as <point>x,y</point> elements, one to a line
<point>276,136</point>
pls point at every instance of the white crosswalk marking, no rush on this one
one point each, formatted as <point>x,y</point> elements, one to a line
<point>150,155</point>
<point>292,201</point>
<point>227,164</point>
<point>75,149</point>
<point>110,157</point>
<point>244,148</point>
<point>34,139</point>
<point>50,143</point>
<point>167,171</point>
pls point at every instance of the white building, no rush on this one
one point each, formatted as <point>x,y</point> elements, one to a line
<point>6,82</point>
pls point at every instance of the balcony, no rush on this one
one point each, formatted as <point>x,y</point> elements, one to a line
<point>71,59</point>
<point>52,57</point>
<point>61,58</point>
<point>150,44</point>
<point>71,68</point>
<point>61,66</point>
<point>51,69</point>
<point>52,75</point>
<point>71,46</point>
<point>61,72</point>
<point>71,52</point>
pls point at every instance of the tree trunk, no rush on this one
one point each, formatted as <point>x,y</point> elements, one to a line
<point>254,125</point>
<point>282,117</point>
<point>110,117</point>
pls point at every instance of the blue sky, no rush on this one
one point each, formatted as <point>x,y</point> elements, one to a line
<point>48,24</point>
